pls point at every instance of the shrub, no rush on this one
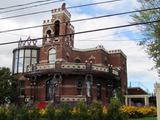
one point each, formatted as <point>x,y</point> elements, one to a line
<point>96,111</point>
<point>114,112</point>
<point>63,112</point>
<point>80,111</point>
<point>137,112</point>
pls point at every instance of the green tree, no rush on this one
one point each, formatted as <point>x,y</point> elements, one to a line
<point>7,86</point>
<point>151,31</point>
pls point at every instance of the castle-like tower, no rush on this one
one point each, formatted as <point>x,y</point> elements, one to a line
<point>58,34</point>
<point>57,71</point>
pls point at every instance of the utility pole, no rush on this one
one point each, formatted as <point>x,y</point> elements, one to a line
<point>157,88</point>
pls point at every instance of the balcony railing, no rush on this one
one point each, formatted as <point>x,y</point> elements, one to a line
<point>115,72</point>
<point>79,66</point>
<point>45,66</point>
<point>73,98</point>
<point>72,66</point>
<point>100,68</point>
<point>37,67</point>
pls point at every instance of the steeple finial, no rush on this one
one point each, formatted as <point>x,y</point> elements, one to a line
<point>63,6</point>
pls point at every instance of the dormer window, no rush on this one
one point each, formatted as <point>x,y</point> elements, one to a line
<point>52,56</point>
<point>56,28</point>
<point>92,61</point>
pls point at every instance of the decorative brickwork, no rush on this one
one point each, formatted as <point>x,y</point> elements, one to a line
<point>69,74</point>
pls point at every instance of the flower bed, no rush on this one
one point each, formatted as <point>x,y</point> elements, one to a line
<point>137,112</point>
<point>81,111</point>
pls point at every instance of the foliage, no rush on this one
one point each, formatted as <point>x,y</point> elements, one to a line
<point>114,112</point>
<point>151,31</point>
<point>96,111</point>
<point>80,111</point>
<point>63,112</point>
<point>137,112</point>
<point>145,118</point>
<point>7,86</point>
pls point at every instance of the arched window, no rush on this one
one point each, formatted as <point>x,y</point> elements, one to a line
<point>48,36</point>
<point>49,33</point>
<point>79,86</point>
<point>77,61</point>
<point>99,93</point>
<point>105,61</point>
<point>52,55</point>
<point>56,28</point>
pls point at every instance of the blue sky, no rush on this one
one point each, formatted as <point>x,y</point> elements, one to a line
<point>138,62</point>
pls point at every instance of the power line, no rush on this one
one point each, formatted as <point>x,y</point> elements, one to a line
<point>90,4</point>
<point>89,31</point>
<point>17,29</point>
<point>117,14</point>
<point>78,20</point>
<point>106,40</point>
<point>45,11</point>
<point>15,34</point>
<point>20,5</point>
<point>116,27</point>
<point>98,38</point>
<point>23,8</point>
<point>117,33</point>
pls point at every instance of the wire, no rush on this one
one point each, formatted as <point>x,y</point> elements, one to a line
<point>23,8</point>
<point>117,33</point>
<point>24,28</point>
<point>90,4</point>
<point>78,20</point>
<point>106,40</point>
<point>14,34</point>
<point>116,14</point>
<point>88,31</point>
<point>116,27</point>
<point>20,5</point>
<point>45,11</point>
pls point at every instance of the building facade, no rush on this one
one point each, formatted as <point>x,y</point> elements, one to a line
<point>137,97</point>
<point>59,72</point>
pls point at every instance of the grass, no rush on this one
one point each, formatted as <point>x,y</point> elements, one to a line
<point>145,118</point>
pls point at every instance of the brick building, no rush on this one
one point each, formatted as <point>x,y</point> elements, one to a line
<point>57,71</point>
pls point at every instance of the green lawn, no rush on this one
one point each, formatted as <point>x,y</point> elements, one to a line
<point>146,118</point>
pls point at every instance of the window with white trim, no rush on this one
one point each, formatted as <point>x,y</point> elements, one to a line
<point>52,55</point>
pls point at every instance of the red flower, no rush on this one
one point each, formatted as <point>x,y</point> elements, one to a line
<point>41,105</point>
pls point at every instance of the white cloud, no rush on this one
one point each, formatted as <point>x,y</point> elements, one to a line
<point>120,5</point>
